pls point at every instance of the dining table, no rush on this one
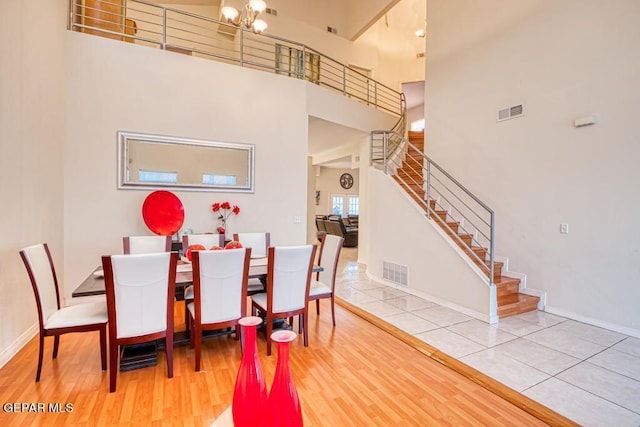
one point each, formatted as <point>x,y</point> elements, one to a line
<point>141,355</point>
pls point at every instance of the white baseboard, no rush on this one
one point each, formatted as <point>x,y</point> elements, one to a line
<point>595,322</point>
<point>475,314</point>
<point>13,349</point>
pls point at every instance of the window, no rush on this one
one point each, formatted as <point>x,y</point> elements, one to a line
<point>337,205</point>
<point>214,179</point>
<point>418,125</point>
<point>344,204</point>
<point>157,176</point>
<point>354,205</point>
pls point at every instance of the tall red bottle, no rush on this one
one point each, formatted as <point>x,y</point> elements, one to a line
<point>283,406</point>
<point>250,393</point>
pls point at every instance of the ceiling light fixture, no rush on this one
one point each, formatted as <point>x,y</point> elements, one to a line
<point>247,16</point>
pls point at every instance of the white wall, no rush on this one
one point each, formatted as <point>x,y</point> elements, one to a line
<point>562,60</point>
<point>185,97</point>
<point>328,182</point>
<point>31,140</point>
<point>398,232</point>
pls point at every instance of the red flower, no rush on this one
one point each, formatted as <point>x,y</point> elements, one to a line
<point>220,230</point>
<point>225,205</point>
<point>236,210</point>
<point>215,207</point>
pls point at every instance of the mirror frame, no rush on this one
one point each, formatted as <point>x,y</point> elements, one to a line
<point>123,145</point>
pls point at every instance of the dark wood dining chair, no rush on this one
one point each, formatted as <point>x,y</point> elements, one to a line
<point>52,319</point>
<point>288,281</point>
<point>146,244</point>
<point>140,293</point>
<point>220,293</point>
<point>324,284</point>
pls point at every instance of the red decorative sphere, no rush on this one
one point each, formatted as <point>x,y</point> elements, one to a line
<point>216,248</point>
<point>192,248</point>
<point>234,244</point>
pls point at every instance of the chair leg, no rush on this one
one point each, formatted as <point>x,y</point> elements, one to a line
<point>299,324</point>
<point>168,342</point>
<point>268,330</point>
<point>56,344</point>
<point>113,365</point>
<point>197,337</point>
<point>305,328</point>
<point>333,309</point>
<point>318,307</point>
<point>187,318</point>
<point>240,338</point>
<point>103,347</point>
<point>40,354</point>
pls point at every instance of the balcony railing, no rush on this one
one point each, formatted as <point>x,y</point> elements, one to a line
<point>145,23</point>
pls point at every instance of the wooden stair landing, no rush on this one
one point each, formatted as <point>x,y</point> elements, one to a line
<point>410,178</point>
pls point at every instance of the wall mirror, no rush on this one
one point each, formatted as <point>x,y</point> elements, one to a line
<point>154,161</point>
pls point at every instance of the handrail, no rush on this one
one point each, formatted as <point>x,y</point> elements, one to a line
<point>430,180</point>
<point>169,28</point>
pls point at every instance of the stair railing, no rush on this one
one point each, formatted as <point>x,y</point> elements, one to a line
<point>149,24</point>
<point>434,189</point>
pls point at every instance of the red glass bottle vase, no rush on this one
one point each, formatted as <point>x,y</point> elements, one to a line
<point>250,392</point>
<point>283,406</point>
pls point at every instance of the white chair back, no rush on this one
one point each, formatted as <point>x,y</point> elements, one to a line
<point>146,244</point>
<point>206,240</point>
<point>290,277</point>
<point>221,284</point>
<point>140,293</point>
<point>258,242</point>
<point>38,259</point>
<point>331,246</point>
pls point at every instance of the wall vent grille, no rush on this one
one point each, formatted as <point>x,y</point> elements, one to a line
<point>395,273</point>
<point>271,11</point>
<point>510,113</point>
<point>332,30</point>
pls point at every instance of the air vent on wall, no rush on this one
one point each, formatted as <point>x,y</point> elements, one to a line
<point>510,113</point>
<point>332,30</point>
<point>395,273</point>
<point>270,11</point>
<point>420,55</point>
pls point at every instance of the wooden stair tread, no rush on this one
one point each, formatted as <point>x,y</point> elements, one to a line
<point>512,304</point>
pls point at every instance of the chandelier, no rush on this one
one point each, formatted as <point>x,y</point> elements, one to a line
<point>246,17</point>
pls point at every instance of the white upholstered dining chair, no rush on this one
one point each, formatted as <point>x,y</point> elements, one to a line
<point>220,292</point>
<point>146,244</point>
<point>324,284</point>
<point>52,319</point>
<point>140,293</point>
<point>206,240</point>
<point>259,243</point>
<point>288,280</point>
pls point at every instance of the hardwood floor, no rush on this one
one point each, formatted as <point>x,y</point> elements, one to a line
<point>356,374</point>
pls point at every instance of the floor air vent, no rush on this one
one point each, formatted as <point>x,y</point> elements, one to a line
<point>510,113</point>
<point>395,273</point>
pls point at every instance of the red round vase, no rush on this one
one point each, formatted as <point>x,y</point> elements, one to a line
<point>283,406</point>
<point>250,392</point>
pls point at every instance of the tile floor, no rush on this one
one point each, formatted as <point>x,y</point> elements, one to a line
<point>589,374</point>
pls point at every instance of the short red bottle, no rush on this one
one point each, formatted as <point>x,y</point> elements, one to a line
<point>250,393</point>
<point>283,406</point>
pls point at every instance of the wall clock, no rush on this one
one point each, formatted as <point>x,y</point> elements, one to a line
<point>346,181</point>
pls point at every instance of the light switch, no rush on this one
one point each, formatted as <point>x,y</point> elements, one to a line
<point>564,228</point>
<point>297,219</point>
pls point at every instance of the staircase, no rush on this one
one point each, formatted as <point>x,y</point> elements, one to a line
<point>410,176</point>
